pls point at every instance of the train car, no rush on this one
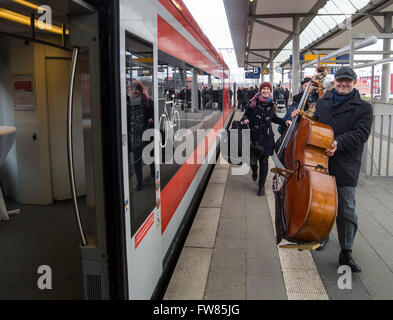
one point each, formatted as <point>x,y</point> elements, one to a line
<point>95,220</point>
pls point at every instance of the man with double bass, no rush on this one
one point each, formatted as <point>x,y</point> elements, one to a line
<point>351,119</point>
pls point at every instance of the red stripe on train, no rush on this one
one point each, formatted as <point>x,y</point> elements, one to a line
<point>175,190</point>
<point>180,12</point>
<point>144,229</point>
<point>172,42</point>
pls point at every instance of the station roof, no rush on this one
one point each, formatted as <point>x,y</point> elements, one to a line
<point>263,29</point>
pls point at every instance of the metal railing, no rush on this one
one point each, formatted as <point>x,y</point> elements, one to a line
<point>376,159</point>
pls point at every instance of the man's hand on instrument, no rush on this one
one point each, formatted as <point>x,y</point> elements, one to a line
<point>294,113</point>
<point>245,121</point>
<point>330,152</point>
<point>288,123</point>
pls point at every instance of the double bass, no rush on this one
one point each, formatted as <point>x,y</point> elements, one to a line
<point>306,202</point>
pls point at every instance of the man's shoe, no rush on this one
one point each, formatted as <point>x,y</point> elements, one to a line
<point>345,258</point>
<point>323,244</point>
<point>261,191</point>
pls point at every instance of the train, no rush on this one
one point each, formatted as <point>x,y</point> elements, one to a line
<point>105,224</point>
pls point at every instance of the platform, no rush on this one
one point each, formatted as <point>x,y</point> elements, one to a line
<point>231,253</point>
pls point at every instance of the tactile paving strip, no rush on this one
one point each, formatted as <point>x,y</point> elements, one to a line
<point>301,277</point>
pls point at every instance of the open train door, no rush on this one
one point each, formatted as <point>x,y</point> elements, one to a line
<point>138,64</point>
<point>121,241</point>
<point>85,73</point>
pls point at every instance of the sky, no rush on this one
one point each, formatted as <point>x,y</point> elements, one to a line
<point>211,17</point>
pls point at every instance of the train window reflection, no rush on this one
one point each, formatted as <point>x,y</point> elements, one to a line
<point>140,117</point>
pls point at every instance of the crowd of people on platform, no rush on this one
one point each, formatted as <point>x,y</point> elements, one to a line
<point>244,94</point>
<point>208,98</point>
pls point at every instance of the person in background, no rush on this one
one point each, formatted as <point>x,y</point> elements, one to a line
<point>239,97</point>
<point>351,119</point>
<point>286,97</point>
<point>245,98</point>
<point>140,115</point>
<point>259,114</point>
<point>313,96</point>
<point>279,93</point>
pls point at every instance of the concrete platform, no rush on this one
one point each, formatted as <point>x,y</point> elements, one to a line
<point>231,250</point>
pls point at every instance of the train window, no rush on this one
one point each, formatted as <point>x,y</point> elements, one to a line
<point>140,117</point>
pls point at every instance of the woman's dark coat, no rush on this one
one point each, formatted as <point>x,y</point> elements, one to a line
<point>261,118</point>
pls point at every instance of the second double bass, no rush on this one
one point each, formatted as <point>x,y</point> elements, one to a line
<point>309,193</point>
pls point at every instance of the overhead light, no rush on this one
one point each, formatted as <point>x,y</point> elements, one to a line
<point>22,19</point>
<point>251,1</point>
<point>28,4</point>
<point>176,4</point>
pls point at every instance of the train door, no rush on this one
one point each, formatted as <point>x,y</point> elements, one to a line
<point>50,91</point>
<point>138,63</point>
<point>56,68</point>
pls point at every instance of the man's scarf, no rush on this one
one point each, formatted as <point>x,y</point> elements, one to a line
<point>337,99</point>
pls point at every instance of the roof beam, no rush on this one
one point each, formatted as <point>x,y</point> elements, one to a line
<point>252,6</point>
<point>309,14</point>
<point>261,49</point>
<point>279,15</point>
<point>358,17</point>
<point>258,55</point>
<point>272,26</point>
<point>376,24</point>
<point>303,24</point>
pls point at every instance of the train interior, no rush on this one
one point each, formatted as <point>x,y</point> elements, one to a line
<point>34,81</point>
<point>38,225</point>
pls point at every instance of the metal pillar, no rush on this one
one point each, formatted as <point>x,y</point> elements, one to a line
<point>282,77</point>
<point>351,51</point>
<point>234,95</point>
<point>194,91</point>
<point>295,54</point>
<point>182,77</point>
<point>385,88</point>
<point>209,81</point>
<point>262,77</point>
<point>372,83</point>
<point>271,74</point>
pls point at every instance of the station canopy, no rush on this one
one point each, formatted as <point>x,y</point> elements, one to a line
<point>262,30</point>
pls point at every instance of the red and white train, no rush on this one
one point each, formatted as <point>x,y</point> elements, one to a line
<point>65,91</point>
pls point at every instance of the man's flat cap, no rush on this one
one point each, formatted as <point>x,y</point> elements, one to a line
<point>307,79</point>
<point>345,72</point>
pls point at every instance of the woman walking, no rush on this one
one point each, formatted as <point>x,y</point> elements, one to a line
<point>260,113</point>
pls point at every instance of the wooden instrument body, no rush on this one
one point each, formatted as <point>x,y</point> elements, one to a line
<point>310,201</point>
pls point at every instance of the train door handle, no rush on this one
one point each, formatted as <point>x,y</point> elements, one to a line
<point>70,154</point>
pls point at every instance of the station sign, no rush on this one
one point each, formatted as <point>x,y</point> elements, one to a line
<point>254,74</point>
<point>333,70</point>
<point>314,57</point>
